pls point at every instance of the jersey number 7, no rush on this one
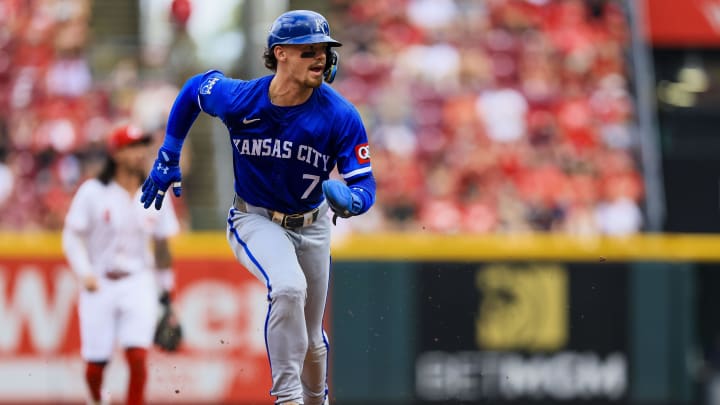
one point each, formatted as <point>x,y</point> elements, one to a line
<point>314,182</point>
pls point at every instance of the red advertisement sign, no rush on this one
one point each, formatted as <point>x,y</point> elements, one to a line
<point>682,23</point>
<point>222,309</point>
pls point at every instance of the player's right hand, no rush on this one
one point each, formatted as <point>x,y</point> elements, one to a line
<point>90,282</point>
<point>164,173</point>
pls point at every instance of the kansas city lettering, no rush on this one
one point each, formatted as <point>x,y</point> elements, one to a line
<point>311,156</point>
<point>264,147</point>
<point>281,150</point>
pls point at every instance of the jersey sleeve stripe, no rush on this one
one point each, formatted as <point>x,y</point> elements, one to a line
<point>356,172</point>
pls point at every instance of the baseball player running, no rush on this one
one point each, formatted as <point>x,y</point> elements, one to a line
<point>106,239</point>
<point>288,130</point>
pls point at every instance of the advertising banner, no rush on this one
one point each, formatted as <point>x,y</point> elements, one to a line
<point>522,333</point>
<point>221,308</point>
<point>683,23</point>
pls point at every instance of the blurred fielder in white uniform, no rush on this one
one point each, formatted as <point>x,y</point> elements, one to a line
<point>109,241</point>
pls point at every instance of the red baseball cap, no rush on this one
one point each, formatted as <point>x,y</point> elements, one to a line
<point>127,135</point>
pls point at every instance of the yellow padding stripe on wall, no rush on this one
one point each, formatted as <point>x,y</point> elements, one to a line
<point>402,247</point>
<point>647,247</point>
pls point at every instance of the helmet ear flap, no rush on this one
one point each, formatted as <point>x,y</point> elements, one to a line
<point>331,65</point>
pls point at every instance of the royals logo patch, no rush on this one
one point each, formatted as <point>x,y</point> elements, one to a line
<point>362,153</point>
<point>208,85</point>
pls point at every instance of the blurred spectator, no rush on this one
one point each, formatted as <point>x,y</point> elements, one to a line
<point>503,111</point>
<point>7,182</point>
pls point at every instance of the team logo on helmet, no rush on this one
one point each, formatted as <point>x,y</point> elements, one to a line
<point>322,26</point>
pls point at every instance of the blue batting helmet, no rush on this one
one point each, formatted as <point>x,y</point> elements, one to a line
<point>300,27</point>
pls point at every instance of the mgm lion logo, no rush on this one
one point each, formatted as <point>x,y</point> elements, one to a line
<point>522,307</point>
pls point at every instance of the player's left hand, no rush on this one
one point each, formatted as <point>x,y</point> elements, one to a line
<point>168,331</point>
<point>343,201</point>
<point>165,172</point>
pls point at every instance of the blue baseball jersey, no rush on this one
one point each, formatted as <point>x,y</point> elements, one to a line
<point>281,155</point>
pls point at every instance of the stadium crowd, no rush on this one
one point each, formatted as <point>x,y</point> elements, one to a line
<point>54,116</point>
<point>495,116</point>
<point>48,110</point>
<point>483,116</point>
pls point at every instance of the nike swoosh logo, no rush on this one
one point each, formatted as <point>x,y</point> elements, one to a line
<point>247,121</point>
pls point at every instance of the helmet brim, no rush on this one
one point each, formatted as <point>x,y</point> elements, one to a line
<point>309,39</point>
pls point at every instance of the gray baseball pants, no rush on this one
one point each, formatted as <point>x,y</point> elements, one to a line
<point>294,265</point>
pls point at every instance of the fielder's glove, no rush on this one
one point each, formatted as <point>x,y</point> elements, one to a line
<point>168,332</point>
<point>165,172</point>
<point>343,201</point>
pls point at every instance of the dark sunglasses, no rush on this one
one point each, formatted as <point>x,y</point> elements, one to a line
<point>312,54</point>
